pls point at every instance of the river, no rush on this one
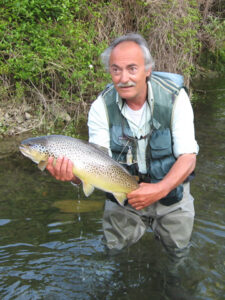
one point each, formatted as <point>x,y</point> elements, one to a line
<point>50,234</point>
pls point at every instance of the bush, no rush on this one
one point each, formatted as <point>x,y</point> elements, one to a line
<point>50,48</point>
<point>214,43</point>
<point>49,55</point>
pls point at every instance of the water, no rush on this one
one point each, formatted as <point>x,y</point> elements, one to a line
<point>51,249</point>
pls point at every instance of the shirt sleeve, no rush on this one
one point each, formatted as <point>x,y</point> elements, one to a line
<point>183,126</point>
<point>98,126</point>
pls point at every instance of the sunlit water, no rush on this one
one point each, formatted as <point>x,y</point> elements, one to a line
<point>51,248</point>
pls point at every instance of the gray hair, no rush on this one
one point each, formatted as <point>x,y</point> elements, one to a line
<point>132,37</point>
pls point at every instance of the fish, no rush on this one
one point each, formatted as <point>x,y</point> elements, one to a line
<point>94,167</point>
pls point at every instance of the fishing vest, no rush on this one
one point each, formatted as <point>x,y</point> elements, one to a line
<point>159,152</point>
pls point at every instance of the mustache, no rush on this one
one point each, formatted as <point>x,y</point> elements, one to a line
<point>128,84</point>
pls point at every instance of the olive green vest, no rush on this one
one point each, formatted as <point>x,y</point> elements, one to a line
<point>160,157</point>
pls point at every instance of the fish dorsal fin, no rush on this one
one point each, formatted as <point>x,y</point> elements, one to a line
<point>88,188</point>
<point>42,165</point>
<point>120,197</point>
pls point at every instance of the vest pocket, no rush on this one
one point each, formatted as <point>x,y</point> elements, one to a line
<point>119,140</point>
<point>160,143</point>
<point>159,168</point>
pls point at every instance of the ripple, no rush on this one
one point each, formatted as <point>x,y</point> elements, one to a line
<point>59,223</point>
<point>4,221</point>
<point>16,245</point>
<point>55,231</point>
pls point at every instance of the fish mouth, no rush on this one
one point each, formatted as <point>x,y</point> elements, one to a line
<point>25,150</point>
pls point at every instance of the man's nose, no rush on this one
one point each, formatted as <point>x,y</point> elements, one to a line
<point>124,76</point>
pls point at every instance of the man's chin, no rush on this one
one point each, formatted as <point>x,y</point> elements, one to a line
<point>125,92</point>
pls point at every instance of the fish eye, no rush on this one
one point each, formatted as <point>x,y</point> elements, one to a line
<point>28,144</point>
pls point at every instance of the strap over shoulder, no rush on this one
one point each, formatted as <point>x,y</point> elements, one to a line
<point>177,79</point>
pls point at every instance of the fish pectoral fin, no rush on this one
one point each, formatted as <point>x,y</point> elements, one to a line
<point>88,189</point>
<point>42,165</point>
<point>136,178</point>
<point>54,162</point>
<point>120,197</point>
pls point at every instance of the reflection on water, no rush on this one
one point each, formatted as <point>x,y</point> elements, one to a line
<point>78,206</point>
<point>50,234</point>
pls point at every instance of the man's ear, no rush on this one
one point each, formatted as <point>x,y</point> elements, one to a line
<point>148,72</point>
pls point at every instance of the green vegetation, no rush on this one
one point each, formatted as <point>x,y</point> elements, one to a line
<point>214,57</point>
<point>49,64</point>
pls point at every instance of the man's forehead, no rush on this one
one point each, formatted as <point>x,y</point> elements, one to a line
<point>127,50</point>
<point>127,44</point>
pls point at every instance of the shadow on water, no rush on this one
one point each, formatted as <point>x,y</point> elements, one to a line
<point>50,234</point>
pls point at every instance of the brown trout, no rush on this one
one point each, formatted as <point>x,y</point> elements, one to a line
<point>91,165</point>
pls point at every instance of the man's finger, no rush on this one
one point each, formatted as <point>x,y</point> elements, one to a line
<point>70,170</point>
<point>49,166</point>
<point>57,168</point>
<point>63,169</point>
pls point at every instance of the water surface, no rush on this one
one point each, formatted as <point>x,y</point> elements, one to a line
<point>49,251</point>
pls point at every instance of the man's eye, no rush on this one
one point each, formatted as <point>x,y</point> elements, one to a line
<point>115,70</point>
<point>133,69</point>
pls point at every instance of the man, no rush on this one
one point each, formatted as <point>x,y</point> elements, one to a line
<point>145,123</point>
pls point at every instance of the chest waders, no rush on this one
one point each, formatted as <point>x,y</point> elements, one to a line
<point>159,152</point>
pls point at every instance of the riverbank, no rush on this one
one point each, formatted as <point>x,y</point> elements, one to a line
<point>21,122</point>
<point>50,69</point>
<point>17,119</point>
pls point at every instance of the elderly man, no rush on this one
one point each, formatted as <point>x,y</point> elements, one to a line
<point>146,123</point>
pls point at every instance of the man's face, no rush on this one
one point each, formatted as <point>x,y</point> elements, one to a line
<point>128,72</point>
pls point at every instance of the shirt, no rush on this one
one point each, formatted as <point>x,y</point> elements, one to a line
<point>182,125</point>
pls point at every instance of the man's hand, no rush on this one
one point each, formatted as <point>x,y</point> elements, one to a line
<point>148,193</point>
<point>145,195</point>
<point>62,169</point>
